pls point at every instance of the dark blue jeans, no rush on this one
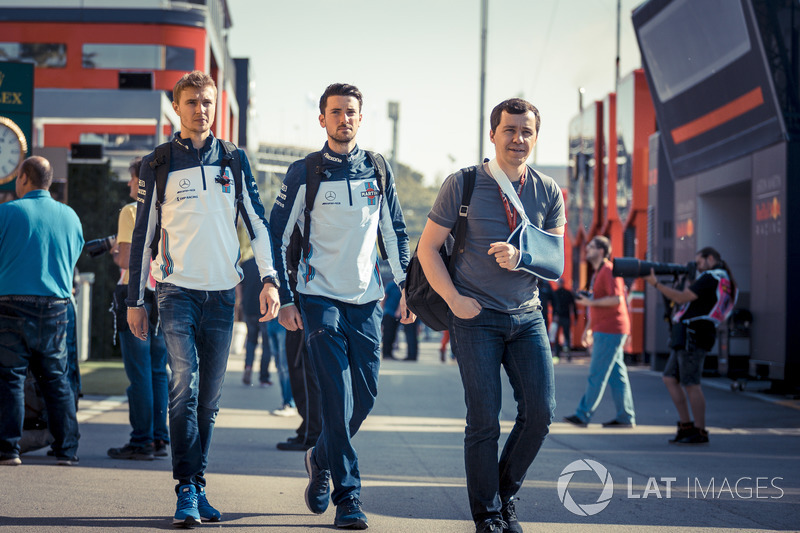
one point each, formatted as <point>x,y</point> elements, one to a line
<point>146,367</point>
<point>197,327</point>
<point>254,330</point>
<point>34,334</point>
<point>519,344</point>
<point>344,347</point>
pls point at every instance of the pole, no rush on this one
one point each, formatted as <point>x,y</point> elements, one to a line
<point>484,17</point>
<point>394,115</point>
<point>616,71</point>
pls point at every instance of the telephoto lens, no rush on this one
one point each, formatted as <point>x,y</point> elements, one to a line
<point>630,267</point>
<point>98,247</point>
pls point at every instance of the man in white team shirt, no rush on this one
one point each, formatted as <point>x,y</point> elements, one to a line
<point>196,272</point>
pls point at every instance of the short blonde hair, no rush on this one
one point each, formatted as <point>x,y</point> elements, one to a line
<point>197,79</point>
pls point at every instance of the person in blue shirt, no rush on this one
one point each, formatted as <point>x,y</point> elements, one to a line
<point>391,321</point>
<point>40,241</point>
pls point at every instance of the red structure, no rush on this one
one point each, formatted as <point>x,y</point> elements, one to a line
<point>607,190</point>
<point>104,74</point>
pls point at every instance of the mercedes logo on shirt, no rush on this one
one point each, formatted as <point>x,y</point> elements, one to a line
<point>330,196</point>
<point>185,183</point>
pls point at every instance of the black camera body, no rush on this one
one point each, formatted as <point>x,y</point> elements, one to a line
<point>630,267</point>
<point>98,247</point>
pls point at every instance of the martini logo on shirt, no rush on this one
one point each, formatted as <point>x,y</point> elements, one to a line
<point>371,193</point>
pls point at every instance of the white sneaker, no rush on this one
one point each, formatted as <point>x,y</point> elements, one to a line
<point>286,410</point>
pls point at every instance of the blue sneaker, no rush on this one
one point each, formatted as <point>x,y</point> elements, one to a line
<point>349,515</point>
<point>207,513</point>
<point>186,514</point>
<point>318,491</point>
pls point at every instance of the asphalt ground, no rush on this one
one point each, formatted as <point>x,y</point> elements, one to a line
<point>411,459</point>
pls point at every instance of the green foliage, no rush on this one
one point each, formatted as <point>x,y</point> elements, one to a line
<point>96,196</point>
<point>416,200</point>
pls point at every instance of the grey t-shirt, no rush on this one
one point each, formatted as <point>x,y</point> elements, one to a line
<point>477,274</point>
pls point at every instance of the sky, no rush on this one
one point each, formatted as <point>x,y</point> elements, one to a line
<point>425,54</point>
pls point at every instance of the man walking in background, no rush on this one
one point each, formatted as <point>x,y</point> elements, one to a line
<point>606,331</point>
<point>145,361</point>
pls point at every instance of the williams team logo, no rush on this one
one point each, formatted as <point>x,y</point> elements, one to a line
<point>371,193</point>
<point>225,180</point>
<point>585,509</point>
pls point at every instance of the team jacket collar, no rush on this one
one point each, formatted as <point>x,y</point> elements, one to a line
<point>187,143</point>
<point>336,160</point>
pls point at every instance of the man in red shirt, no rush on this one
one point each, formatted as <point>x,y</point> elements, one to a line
<point>606,330</point>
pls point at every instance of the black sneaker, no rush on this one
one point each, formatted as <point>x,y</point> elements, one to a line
<point>698,436</point>
<point>575,421</point>
<point>349,515</point>
<point>10,460</point>
<point>510,517</point>
<point>132,451</point>
<point>684,430</point>
<point>491,525</point>
<point>318,491</point>
<point>295,444</point>
<point>160,448</point>
<point>617,424</point>
<point>67,461</point>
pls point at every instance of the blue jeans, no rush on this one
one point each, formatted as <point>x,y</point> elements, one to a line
<point>254,329</point>
<point>34,334</point>
<point>146,367</point>
<point>73,369</point>
<point>518,343</point>
<point>197,326</point>
<point>344,347</point>
<point>276,340</point>
<point>608,367</point>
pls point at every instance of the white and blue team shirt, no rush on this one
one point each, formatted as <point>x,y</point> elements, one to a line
<point>348,217</point>
<point>198,247</point>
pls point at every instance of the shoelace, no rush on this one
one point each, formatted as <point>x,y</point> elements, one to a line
<point>509,511</point>
<point>353,505</point>
<point>187,500</point>
<point>321,485</point>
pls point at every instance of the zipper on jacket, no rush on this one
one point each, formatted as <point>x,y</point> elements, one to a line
<point>202,172</point>
<point>349,190</point>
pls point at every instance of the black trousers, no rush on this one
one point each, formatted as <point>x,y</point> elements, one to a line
<point>305,387</point>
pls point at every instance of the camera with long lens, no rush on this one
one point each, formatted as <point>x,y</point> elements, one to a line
<point>98,247</point>
<point>630,267</point>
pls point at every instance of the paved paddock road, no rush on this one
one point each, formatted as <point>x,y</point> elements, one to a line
<point>410,448</point>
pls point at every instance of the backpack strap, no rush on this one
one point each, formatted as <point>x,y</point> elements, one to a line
<point>313,178</point>
<point>231,158</point>
<point>379,166</point>
<point>160,165</point>
<point>460,228</point>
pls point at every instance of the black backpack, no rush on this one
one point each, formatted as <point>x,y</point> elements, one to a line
<point>314,175</point>
<point>421,299</point>
<point>160,165</point>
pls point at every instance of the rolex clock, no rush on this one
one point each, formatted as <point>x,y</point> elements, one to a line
<point>13,147</point>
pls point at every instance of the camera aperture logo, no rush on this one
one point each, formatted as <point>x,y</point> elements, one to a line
<point>586,509</point>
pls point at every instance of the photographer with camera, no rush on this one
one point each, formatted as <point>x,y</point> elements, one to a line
<point>145,361</point>
<point>606,331</point>
<point>702,306</point>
